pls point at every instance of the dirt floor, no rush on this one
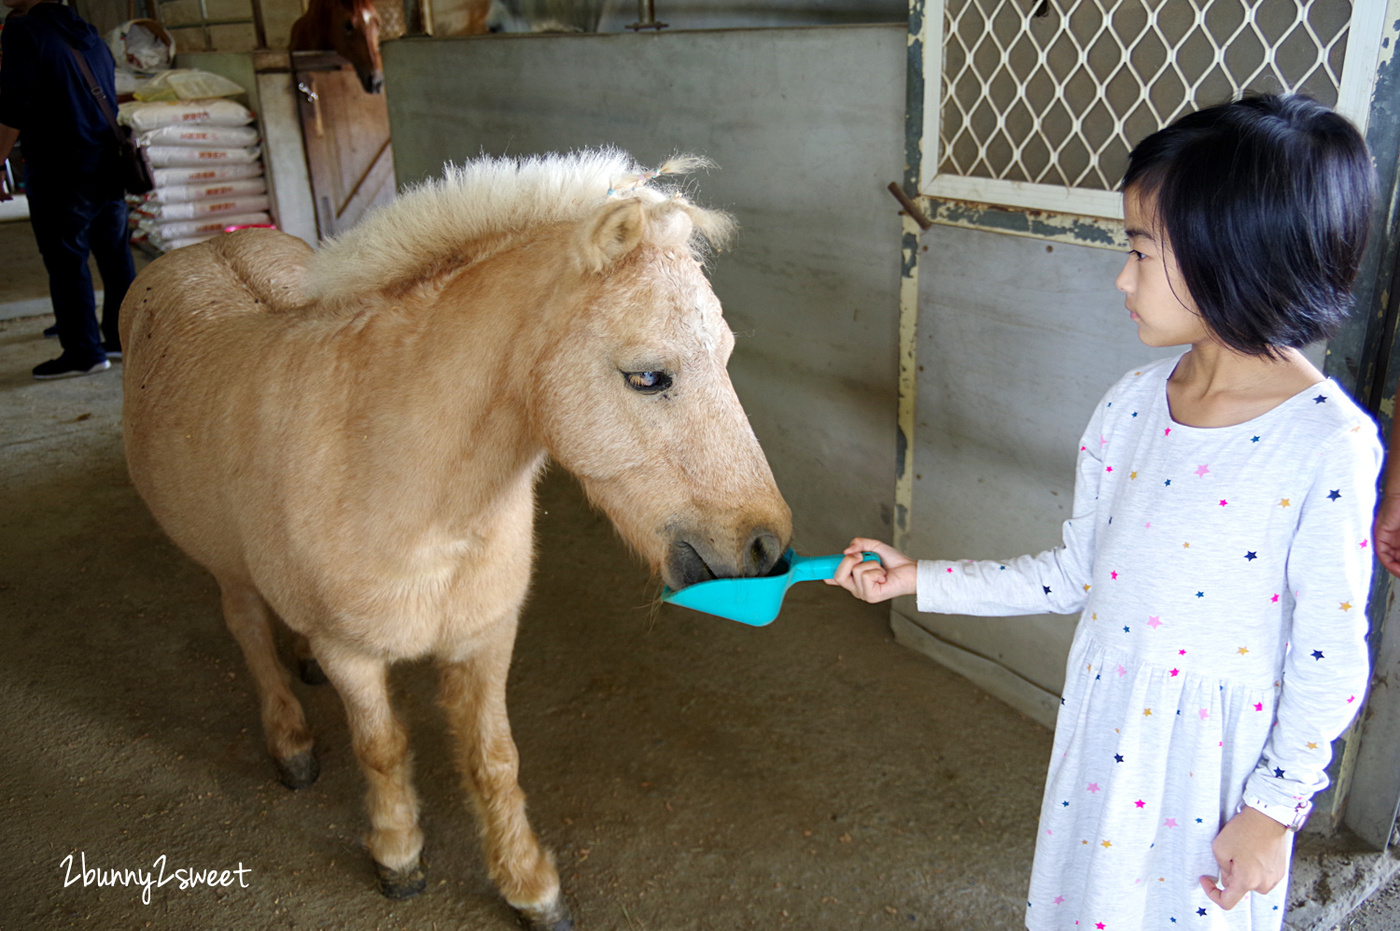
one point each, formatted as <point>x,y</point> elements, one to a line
<point>689,772</point>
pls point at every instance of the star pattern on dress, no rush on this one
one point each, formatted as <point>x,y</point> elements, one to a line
<point>1222,457</point>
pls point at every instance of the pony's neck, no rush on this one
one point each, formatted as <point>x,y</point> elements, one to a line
<point>452,380</point>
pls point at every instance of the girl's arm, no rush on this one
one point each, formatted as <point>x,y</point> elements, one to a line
<point>1055,581</point>
<point>1328,662</point>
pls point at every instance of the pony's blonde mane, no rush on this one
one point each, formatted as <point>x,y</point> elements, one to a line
<point>431,226</point>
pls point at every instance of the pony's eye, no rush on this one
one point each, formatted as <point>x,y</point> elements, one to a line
<point>647,382</point>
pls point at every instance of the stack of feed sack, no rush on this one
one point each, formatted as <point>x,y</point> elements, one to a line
<point>208,171</point>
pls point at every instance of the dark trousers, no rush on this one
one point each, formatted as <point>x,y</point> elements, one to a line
<point>68,224</point>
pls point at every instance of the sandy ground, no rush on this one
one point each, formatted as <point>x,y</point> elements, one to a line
<point>689,773</point>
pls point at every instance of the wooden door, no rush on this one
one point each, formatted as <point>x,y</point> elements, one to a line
<point>346,133</point>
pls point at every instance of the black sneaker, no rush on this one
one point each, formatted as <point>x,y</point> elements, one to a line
<point>113,350</point>
<point>51,332</point>
<point>64,367</point>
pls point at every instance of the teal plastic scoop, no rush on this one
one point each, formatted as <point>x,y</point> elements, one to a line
<point>756,601</point>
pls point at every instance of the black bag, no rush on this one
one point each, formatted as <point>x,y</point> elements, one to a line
<point>133,168</point>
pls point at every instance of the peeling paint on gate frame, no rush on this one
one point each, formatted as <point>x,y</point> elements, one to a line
<point>1365,358</point>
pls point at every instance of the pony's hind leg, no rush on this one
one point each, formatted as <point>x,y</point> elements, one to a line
<point>381,745</point>
<point>473,693</point>
<point>284,723</point>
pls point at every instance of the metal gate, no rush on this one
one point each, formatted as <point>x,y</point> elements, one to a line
<point>1020,117</point>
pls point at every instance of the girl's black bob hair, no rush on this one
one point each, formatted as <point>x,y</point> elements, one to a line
<point>1266,202</point>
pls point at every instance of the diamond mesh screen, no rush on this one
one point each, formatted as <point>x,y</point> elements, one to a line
<point>1055,92</point>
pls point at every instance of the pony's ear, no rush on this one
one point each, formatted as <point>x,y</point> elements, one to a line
<point>614,232</point>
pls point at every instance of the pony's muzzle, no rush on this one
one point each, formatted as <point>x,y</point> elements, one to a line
<point>695,558</point>
<point>373,81</point>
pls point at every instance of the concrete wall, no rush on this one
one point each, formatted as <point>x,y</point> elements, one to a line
<point>807,128</point>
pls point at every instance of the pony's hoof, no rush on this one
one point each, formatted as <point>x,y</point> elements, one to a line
<point>300,771</point>
<point>400,884</point>
<point>553,918</point>
<point>310,672</point>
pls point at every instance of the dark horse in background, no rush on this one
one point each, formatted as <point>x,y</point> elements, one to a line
<point>348,27</point>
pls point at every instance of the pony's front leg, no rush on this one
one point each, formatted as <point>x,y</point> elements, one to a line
<point>473,693</point>
<point>381,745</point>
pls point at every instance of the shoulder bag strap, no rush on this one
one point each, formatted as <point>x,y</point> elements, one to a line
<point>97,92</point>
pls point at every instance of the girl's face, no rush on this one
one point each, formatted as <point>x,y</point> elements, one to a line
<point>1157,299</point>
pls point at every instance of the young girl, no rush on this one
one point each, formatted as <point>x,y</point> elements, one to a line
<point>1218,548</point>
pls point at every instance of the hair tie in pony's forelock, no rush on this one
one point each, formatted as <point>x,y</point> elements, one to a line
<point>677,165</point>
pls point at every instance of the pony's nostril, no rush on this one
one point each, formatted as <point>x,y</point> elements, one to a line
<point>764,551</point>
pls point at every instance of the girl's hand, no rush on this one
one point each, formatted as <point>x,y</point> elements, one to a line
<point>1252,850</point>
<point>895,574</point>
<point>1386,533</point>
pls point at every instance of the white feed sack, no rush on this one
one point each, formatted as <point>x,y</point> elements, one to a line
<point>199,174</point>
<point>186,156</point>
<point>218,136</point>
<point>146,116</point>
<point>205,190</point>
<point>204,207</point>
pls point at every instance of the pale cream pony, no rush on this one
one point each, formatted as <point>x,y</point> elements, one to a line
<point>350,439</point>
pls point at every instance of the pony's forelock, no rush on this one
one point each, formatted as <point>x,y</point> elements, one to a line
<point>431,226</point>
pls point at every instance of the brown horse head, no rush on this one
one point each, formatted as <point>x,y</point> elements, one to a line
<point>350,28</point>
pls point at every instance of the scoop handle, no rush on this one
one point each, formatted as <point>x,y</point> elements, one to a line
<point>818,568</point>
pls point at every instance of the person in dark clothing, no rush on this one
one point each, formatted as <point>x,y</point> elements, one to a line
<point>75,195</point>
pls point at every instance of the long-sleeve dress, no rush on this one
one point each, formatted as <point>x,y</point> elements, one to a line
<point>1222,574</point>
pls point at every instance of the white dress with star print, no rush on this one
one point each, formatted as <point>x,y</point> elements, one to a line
<point>1222,574</point>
